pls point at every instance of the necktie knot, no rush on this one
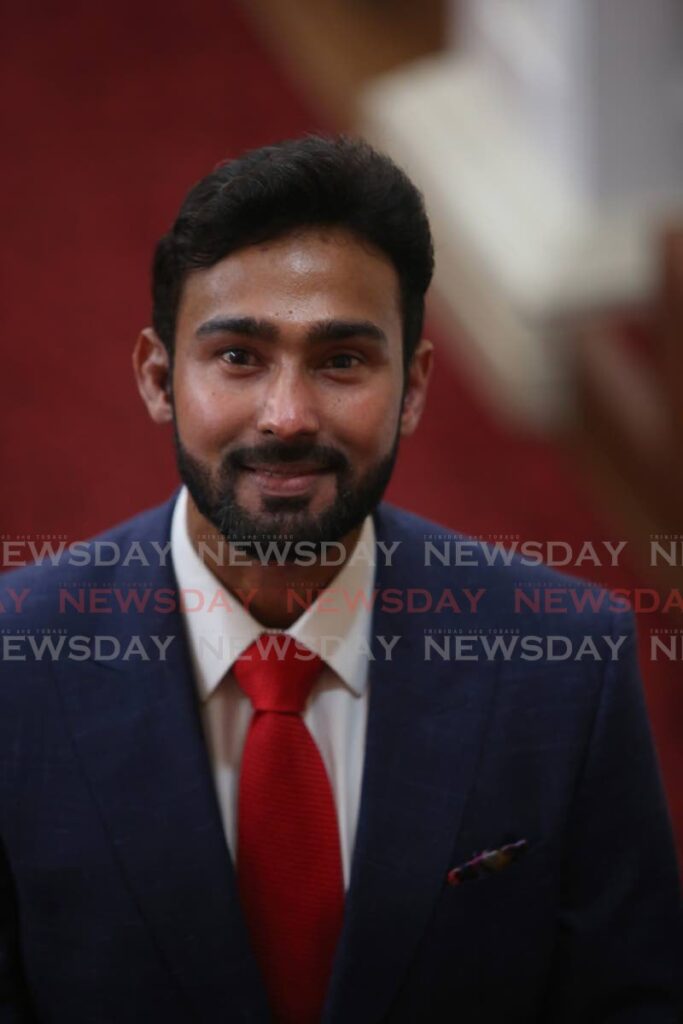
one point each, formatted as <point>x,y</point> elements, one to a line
<point>277,673</point>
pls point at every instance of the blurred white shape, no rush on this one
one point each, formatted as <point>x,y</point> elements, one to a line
<point>549,146</point>
<point>592,82</point>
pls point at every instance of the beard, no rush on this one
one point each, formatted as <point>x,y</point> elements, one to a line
<point>284,516</point>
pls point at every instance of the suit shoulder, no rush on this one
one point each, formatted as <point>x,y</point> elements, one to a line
<point>60,564</point>
<point>439,557</point>
<point>447,548</point>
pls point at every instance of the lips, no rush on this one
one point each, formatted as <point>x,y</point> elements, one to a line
<point>286,479</point>
<point>289,469</point>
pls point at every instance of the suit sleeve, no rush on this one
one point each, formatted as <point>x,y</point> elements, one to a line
<point>619,956</point>
<point>14,1005</point>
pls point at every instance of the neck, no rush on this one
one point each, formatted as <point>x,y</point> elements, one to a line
<point>276,595</point>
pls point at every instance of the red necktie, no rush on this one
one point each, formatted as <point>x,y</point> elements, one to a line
<point>288,850</point>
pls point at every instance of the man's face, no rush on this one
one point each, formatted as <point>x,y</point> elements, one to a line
<point>287,386</point>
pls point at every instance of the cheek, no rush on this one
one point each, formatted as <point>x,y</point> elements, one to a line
<point>207,418</point>
<point>365,423</point>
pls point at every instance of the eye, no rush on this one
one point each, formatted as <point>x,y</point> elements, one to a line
<point>237,356</point>
<point>344,361</point>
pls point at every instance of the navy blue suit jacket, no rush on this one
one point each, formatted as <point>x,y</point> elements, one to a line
<point>118,900</point>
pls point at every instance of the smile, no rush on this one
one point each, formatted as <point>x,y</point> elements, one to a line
<point>285,479</point>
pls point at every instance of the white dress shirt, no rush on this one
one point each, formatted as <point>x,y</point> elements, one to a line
<point>336,626</point>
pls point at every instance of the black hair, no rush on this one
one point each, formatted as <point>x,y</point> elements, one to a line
<point>307,182</point>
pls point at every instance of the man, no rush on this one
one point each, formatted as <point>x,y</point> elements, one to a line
<point>278,750</point>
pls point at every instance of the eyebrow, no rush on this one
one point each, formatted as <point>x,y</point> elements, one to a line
<point>323,330</point>
<point>248,326</point>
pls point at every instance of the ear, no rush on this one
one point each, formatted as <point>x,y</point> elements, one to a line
<point>152,368</point>
<point>417,381</point>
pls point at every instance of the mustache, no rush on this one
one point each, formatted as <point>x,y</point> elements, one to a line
<point>323,457</point>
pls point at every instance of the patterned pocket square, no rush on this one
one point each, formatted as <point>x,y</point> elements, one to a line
<point>487,863</point>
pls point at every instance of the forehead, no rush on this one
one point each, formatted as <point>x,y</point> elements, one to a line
<point>307,275</point>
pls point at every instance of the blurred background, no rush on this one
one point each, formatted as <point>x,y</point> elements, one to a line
<point>547,136</point>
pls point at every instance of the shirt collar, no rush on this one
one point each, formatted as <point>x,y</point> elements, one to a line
<point>336,626</point>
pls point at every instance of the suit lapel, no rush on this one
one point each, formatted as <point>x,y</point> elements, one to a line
<point>138,736</point>
<point>424,737</point>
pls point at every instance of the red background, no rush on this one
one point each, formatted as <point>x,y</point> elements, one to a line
<point>108,116</point>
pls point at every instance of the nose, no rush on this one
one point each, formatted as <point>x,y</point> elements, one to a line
<point>289,406</point>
